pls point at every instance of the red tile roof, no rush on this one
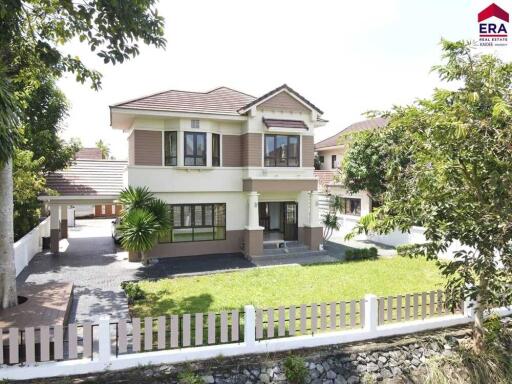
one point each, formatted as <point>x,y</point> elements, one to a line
<point>364,125</point>
<point>89,178</point>
<point>221,100</point>
<point>278,123</point>
<point>277,90</point>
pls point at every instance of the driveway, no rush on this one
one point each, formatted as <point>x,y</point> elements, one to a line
<point>90,259</point>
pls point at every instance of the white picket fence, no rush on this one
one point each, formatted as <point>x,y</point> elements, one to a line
<point>38,352</point>
<point>30,244</point>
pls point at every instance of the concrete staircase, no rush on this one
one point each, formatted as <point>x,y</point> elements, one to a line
<point>293,253</point>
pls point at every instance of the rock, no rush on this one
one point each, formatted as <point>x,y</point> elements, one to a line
<point>386,373</point>
<point>396,371</point>
<point>353,380</point>
<point>327,382</point>
<point>447,347</point>
<point>312,366</point>
<point>326,366</point>
<point>372,367</point>
<point>340,380</point>
<point>265,378</point>
<point>209,379</point>
<point>416,362</point>
<point>383,360</point>
<point>320,368</point>
<point>331,375</point>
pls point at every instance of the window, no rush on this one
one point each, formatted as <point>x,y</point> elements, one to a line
<point>333,161</point>
<point>194,124</point>
<point>282,151</point>
<point>195,149</point>
<point>322,159</point>
<point>196,222</point>
<point>351,206</point>
<point>170,148</point>
<point>215,150</point>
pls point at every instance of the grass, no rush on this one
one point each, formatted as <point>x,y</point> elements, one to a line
<point>271,287</point>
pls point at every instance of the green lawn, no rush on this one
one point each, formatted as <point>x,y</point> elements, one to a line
<point>271,287</point>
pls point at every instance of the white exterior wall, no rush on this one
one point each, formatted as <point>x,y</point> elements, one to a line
<point>29,245</point>
<point>326,165</point>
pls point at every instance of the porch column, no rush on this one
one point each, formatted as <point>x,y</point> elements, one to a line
<point>63,221</point>
<point>314,217</point>
<point>253,234</point>
<point>54,228</point>
<point>313,232</point>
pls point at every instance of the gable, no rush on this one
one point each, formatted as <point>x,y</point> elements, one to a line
<point>283,102</point>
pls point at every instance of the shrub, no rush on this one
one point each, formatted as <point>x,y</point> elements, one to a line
<point>407,249</point>
<point>295,370</point>
<point>361,254</point>
<point>133,291</point>
<point>189,377</point>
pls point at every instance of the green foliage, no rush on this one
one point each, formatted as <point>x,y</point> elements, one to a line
<point>104,148</point>
<point>9,118</point>
<point>458,178</point>
<point>135,198</point>
<point>317,164</point>
<point>28,183</point>
<point>409,250</point>
<point>189,377</point>
<point>361,254</point>
<point>133,291</point>
<point>295,370</point>
<point>144,219</point>
<point>466,366</point>
<point>331,223</point>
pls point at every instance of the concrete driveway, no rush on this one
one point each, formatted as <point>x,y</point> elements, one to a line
<point>90,259</point>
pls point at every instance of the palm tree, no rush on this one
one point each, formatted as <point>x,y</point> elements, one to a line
<point>104,149</point>
<point>331,223</point>
<point>144,219</point>
<point>9,120</point>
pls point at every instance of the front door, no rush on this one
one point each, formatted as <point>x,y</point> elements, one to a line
<point>289,220</point>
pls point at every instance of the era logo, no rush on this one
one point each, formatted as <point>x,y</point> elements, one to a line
<point>497,27</point>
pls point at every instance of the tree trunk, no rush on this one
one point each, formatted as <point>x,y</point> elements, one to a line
<point>144,258</point>
<point>7,268</point>
<point>478,327</point>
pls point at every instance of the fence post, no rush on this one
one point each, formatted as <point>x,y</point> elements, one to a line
<point>249,325</point>
<point>371,313</point>
<point>104,339</point>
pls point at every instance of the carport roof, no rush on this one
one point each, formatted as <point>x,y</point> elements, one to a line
<point>95,178</point>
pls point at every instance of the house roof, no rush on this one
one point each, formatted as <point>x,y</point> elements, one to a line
<point>222,100</point>
<point>89,178</point>
<point>278,123</point>
<point>364,125</point>
<point>275,91</point>
<point>89,154</point>
<point>493,10</point>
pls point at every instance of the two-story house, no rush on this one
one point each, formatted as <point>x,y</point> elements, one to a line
<point>236,170</point>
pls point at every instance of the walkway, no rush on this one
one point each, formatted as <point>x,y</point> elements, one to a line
<point>96,266</point>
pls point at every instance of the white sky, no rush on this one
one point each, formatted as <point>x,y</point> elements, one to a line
<point>346,57</point>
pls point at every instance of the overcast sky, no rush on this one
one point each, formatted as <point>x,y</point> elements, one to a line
<point>346,57</point>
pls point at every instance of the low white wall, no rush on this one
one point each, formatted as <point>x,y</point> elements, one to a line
<point>106,359</point>
<point>30,244</point>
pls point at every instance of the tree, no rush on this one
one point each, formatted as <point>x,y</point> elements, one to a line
<point>29,182</point>
<point>144,219</point>
<point>104,148</point>
<point>458,182</point>
<point>32,33</point>
<point>363,166</point>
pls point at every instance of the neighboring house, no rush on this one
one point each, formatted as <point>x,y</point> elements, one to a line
<point>330,152</point>
<point>236,170</point>
<point>89,154</point>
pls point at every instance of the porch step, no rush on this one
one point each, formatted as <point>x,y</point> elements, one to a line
<point>302,257</point>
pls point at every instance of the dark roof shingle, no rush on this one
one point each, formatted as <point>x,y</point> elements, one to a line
<point>279,123</point>
<point>364,125</point>
<point>89,178</point>
<point>221,100</point>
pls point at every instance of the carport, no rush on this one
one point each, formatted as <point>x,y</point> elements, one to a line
<point>86,182</point>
